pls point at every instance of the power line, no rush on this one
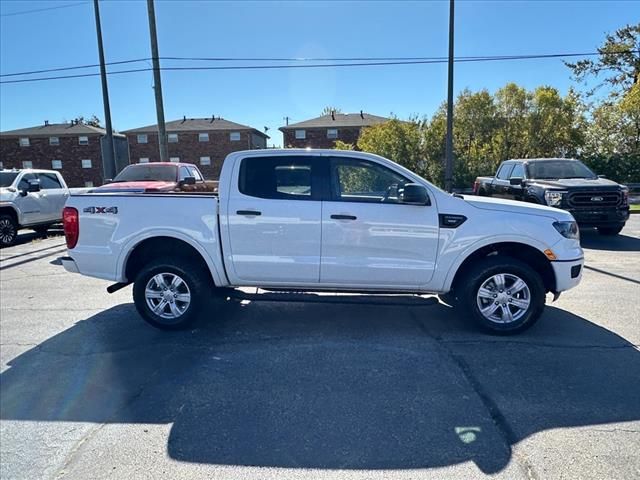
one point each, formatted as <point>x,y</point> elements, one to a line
<point>24,12</point>
<point>334,59</point>
<point>321,65</point>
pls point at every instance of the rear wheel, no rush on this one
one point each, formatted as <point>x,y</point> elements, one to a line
<point>504,295</point>
<point>8,230</point>
<point>610,230</point>
<point>170,294</point>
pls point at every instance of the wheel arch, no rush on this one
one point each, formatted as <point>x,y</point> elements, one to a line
<point>11,210</point>
<point>154,246</point>
<point>524,252</point>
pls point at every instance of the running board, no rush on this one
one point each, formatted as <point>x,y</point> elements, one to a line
<point>364,299</point>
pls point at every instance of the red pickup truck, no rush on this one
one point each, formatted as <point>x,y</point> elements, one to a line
<point>158,177</point>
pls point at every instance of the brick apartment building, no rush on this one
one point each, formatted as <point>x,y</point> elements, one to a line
<point>202,141</point>
<point>73,148</point>
<point>324,131</point>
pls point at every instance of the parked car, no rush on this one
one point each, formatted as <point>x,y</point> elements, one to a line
<point>30,199</point>
<point>564,183</point>
<point>329,220</point>
<point>158,177</point>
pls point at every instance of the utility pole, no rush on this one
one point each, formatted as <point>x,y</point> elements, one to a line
<point>162,132</point>
<point>108,151</point>
<point>448,171</point>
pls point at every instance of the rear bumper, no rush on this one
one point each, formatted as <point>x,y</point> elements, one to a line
<point>69,264</point>
<point>600,217</point>
<point>568,273</point>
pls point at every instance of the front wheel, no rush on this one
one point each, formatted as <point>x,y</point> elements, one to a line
<point>504,295</point>
<point>8,230</point>
<point>169,294</point>
<point>610,230</point>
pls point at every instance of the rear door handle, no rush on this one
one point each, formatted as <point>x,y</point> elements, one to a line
<point>249,212</point>
<point>344,217</point>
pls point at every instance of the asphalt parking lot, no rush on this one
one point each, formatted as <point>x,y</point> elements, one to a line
<point>270,390</point>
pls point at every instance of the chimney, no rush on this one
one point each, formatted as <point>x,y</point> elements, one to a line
<point>333,114</point>
<point>46,122</point>
<point>213,117</point>
<point>184,118</point>
<point>361,115</point>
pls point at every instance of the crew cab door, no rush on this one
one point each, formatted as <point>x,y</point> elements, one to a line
<point>500,184</point>
<point>52,196</point>
<point>369,238</point>
<point>273,216</point>
<point>29,202</point>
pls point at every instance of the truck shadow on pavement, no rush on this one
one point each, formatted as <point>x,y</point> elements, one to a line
<point>330,386</point>
<point>618,243</point>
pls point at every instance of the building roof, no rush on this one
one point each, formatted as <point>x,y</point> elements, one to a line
<point>339,120</point>
<point>55,130</point>
<point>197,125</point>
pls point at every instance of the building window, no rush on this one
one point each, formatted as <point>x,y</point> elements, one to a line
<point>143,160</point>
<point>173,138</point>
<point>88,184</point>
<point>205,160</point>
<point>54,141</point>
<point>24,142</point>
<point>86,163</point>
<point>332,133</point>
<point>142,138</point>
<point>56,164</point>
<point>203,137</point>
<point>27,164</point>
<point>83,140</point>
<point>174,159</point>
<point>301,134</point>
<point>234,136</point>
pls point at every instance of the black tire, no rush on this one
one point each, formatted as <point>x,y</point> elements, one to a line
<point>198,285</point>
<point>8,230</point>
<point>610,231</point>
<point>482,272</point>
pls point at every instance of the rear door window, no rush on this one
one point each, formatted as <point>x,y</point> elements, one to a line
<point>284,178</point>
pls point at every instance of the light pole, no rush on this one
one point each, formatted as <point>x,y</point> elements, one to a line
<point>162,133</point>
<point>108,152</point>
<point>448,171</point>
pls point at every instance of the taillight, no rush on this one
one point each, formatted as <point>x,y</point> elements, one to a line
<point>71,226</point>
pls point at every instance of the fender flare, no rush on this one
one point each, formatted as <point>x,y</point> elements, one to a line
<point>128,247</point>
<point>474,247</point>
<point>15,208</point>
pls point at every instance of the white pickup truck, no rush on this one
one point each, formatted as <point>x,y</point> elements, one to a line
<point>30,199</point>
<point>324,220</point>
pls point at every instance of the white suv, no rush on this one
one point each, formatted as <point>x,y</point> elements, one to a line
<point>30,199</point>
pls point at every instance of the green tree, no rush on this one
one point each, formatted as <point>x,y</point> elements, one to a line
<point>340,145</point>
<point>396,140</point>
<point>618,61</point>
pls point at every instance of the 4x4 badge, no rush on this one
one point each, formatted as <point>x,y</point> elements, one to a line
<point>113,210</point>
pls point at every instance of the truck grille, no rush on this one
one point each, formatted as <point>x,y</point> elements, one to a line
<point>595,199</point>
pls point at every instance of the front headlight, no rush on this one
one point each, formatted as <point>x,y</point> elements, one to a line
<point>567,229</point>
<point>553,197</point>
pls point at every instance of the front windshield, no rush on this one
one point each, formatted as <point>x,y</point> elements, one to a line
<point>556,169</point>
<point>7,178</point>
<point>142,173</point>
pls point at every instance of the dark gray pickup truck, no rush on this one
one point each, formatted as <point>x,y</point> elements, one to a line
<point>562,183</point>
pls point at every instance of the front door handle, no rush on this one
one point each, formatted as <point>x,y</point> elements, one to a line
<point>249,212</point>
<point>344,217</point>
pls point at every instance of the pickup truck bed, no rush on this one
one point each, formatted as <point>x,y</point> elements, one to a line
<point>324,221</point>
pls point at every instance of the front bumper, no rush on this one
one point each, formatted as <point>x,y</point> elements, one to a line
<point>568,273</point>
<point>69,264</point>
<point>600,217</point>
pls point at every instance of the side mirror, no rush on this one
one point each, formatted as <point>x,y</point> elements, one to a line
<point>414,194</point>
<point>188,181</point>
<point>108,180</point>
<point>34,186</point>
<point>515,181</point>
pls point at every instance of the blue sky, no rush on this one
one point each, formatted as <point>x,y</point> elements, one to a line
<point>66,37</point>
